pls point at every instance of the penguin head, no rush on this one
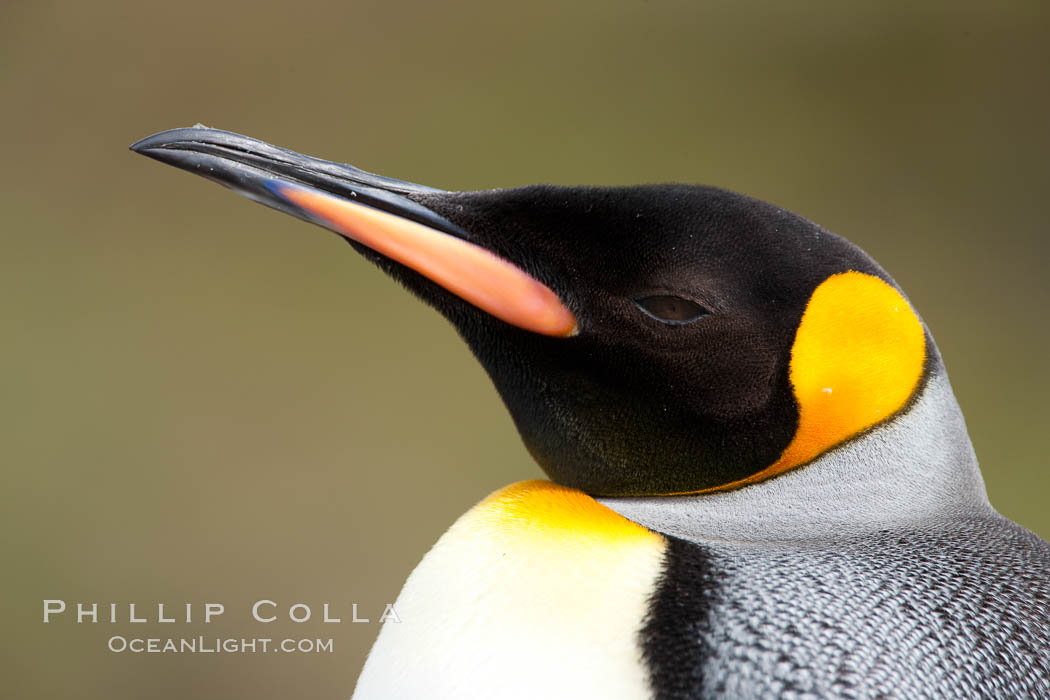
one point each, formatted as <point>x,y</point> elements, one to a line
<point>648,340</point>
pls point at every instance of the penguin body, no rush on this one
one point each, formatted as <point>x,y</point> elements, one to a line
<point>764,484</point>
<point>898,582</point>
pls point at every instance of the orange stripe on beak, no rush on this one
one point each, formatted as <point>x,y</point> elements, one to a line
<point>469,271</point>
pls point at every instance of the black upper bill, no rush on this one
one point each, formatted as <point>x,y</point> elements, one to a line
<point>246,165</point>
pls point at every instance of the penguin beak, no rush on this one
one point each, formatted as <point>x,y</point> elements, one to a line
<point>371,210</point>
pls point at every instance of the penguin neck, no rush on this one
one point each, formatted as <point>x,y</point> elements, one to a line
<point>917,467</point>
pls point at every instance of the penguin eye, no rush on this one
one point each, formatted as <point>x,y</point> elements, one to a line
<point>672,310</point>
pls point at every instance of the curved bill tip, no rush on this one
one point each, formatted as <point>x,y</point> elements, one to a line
<point>469,271</point>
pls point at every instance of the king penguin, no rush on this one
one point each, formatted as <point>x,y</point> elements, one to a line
<point>761,482</point>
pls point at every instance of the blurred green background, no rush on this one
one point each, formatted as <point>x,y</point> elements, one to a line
<point>206,401</point>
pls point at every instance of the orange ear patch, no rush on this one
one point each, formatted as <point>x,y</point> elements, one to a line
<point>857,358</point>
